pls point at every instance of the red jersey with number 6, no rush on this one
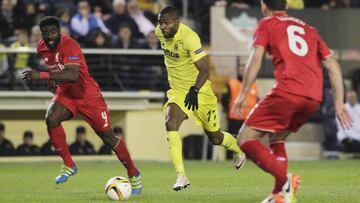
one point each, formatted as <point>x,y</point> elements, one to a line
<point>297,51</point>
<point>69,52</point>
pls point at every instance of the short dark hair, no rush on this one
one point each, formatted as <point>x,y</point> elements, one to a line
<point>28,134</point>
<point>80,129</point>
<point>49,20</point>
<point>2,127</point>
<point>118,130</point>
<point>170,11</point>
<point>275,5</point>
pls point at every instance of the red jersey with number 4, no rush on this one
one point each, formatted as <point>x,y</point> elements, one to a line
<point>297,51</point>
<point>68,52</point>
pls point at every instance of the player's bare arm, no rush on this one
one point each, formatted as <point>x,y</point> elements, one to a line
<point>252,68</point>
<point>191,100</point>
<point>69,74</point>
<point>337,84</point>
<point>203,66</point>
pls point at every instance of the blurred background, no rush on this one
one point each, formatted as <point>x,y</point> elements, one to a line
<point>125,58</point>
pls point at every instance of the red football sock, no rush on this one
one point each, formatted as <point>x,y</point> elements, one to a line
<point>58,139</point>
<point>123,155</point>
<point>267,161</point>
<point>278,148</point>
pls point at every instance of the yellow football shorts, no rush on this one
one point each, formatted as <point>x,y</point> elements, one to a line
<point>207,113</point>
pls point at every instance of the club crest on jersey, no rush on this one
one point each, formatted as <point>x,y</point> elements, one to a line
<point>176,47</point>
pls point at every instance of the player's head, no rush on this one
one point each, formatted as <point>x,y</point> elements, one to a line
<point>169,20</point>
<point>269,6</point>
<point>50,30</point>
<point>81,134</point>
<point>351,97</point>
<point>28,137</point>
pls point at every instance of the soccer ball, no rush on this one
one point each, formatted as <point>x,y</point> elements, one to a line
<point>118,188</point>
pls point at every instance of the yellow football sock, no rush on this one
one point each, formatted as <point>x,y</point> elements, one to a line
<point>175,148</point>
<point>229,142</point>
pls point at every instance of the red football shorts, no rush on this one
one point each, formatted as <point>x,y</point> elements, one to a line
<point>93,110</point>
<point>281,111</point>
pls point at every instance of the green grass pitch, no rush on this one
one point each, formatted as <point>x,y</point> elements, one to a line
<point>323,181</point>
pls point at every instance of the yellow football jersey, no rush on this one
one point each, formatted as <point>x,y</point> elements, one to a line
<point>180,53</point>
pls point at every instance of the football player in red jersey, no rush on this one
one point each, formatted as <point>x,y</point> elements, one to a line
<point>76,92</point>
<point>297,51</point>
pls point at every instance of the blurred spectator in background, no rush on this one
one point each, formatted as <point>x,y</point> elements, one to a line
<point>99,63</point>
<point>145,20</point>
<point>84,21</point>
<point>152,42</point>
<point>119,16</point>
<point>21,61</point>
<point>4,65</point>
<point>232,91</point>
<point>81,146</point>
<point>35,35</point>
<point>355,80</point>
<point>296,4</point>
<point>97,39</point>
<point>106,149</point>
<point>30,17</point>
<point>330,144</point>
<point>6,147</point>
<point>154,6</point>
<point>125,39</point>
<point>350,139</point>
<point>56,5</point>
<point>64,16</point>
<point>7,20</point>
<point>331,4</point>
<point>47,148</point>
<point>28,148</point>
<point>239,4</point>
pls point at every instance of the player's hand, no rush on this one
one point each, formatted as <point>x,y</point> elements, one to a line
<point>28,75</point>
<point>191,99</point>
<point>52,86</point>
<point>238,105</point>
<point>343,116</point>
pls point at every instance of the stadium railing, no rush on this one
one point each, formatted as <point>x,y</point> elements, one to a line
<point>113,69</point>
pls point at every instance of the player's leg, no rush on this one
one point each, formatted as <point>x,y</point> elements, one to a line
<point>174,116</point>
<point>119,147</point>
<point>249,141</point>
<point>55,114</point>
<point>95,112</point>
<point>277,145</point>
<point>207,115</point>
<point>228,141</point>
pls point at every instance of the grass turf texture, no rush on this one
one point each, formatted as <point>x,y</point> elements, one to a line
<point>323,181</point>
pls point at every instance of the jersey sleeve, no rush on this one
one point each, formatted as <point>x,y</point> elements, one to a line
<point>261,35</point>
<point>193,45</point>
<point>71,53</point>
<point>323,49</point>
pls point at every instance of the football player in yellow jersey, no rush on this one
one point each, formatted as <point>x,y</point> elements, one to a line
<point>190,93</point>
